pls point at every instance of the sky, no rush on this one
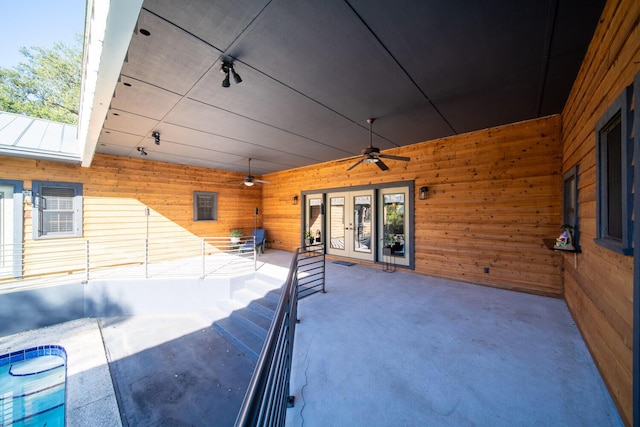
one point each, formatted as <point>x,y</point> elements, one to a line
<point>42,23</point>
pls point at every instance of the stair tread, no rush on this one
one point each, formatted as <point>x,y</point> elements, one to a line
<point>245,296</point>
<point>254,320</point>
<point>247,341</point>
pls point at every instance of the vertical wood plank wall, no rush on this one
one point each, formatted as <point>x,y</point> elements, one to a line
<point>116,191</point>
<point>599,282</point>
<point>493,196</point>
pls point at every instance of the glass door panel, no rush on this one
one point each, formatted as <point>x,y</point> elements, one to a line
<point>337,224</point>
<point>350,224</point>
<point>362,232</point>
<point>314,218</point>
<point>394,223</point>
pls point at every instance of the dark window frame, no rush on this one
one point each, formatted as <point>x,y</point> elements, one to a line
<point>196,208</point>
<point>40,206</point>
<point>570,201</point>
<point>619,110</point>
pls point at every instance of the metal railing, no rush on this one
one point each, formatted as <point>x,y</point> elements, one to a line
<point>267,397</point>
<point>311,270</point>
<point>65,260</point>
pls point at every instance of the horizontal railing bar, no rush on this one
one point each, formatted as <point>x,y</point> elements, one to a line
<point>50,260</point>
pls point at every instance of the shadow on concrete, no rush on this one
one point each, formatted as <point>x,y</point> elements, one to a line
<point>196,379</point>
<point>29,309</point>
<point>36,308</point>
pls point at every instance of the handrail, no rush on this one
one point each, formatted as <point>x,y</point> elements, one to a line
<point>267,397</point>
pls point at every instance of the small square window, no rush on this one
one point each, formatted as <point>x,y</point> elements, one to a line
<point>614,169</point>
<point>205,206</point>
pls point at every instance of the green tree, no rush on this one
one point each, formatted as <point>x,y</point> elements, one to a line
<point>47,85</point>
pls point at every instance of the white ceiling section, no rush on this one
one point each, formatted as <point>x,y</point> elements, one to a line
<point>314,71</point>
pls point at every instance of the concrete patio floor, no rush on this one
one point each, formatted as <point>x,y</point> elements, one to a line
<point>399,349</point>
<point>378,349</point>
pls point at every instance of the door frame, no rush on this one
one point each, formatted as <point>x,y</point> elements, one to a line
<point>376,187</point>
<point>16,233</point>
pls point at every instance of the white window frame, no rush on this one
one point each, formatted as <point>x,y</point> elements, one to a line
<point>40,205</point>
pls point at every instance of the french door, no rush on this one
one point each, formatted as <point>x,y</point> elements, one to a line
<point>350,224</point>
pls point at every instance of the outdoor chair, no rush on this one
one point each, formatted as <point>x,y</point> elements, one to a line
<point>257,241</point>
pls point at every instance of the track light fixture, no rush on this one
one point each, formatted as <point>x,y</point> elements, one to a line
<point>141,151</point>
<point>156,136</point>
<point>236,76</point>
<point>227,67</point>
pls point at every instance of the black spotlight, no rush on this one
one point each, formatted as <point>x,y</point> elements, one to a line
<point>227,67</point>
<point>236,76</point>
<point>156,136</point>
<point>225,82</point>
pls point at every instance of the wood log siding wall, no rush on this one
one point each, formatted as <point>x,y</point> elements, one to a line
<point>493,196</point>
<point>116,191</point>
<point>599,282</point>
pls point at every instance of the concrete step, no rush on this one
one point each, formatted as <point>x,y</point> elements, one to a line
<point>266,305</point>
<point>253,320</point>
<point>240,336</point>
<point>213,314</point>
<point>248,316</point>
<point>229,306</point>
<point>261,286</point>
<point>245,296</point>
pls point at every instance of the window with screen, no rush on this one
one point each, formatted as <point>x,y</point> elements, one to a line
<point>205,206</point>
<point>57,210</point>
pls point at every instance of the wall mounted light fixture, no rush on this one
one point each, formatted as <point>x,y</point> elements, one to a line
<point>156,136</point>
<point>227,67</point>
<point>423,193</point>
<point>294,201</point>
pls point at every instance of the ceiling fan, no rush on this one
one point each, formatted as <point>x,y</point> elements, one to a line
<point>372,154</point>
<point>250,180</point>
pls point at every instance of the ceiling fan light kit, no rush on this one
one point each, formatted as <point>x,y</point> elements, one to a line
<point>250,180</point>
<point>372,154</point>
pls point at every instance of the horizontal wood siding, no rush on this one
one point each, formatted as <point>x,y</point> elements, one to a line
<point>493,196</point>
<point>599,282</point>
<point>116,193</point>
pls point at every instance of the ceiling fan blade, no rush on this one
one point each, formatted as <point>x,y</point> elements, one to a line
<point>262,181</point>
<point>355,164</point>
<point>381,165</point>
<point>388,156</point>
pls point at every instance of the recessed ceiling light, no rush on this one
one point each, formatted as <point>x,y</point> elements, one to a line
<point>144,32</point>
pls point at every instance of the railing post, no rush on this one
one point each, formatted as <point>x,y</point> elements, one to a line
<point>86,260</point>
<point>203,260</point>
<point>146,258</point>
